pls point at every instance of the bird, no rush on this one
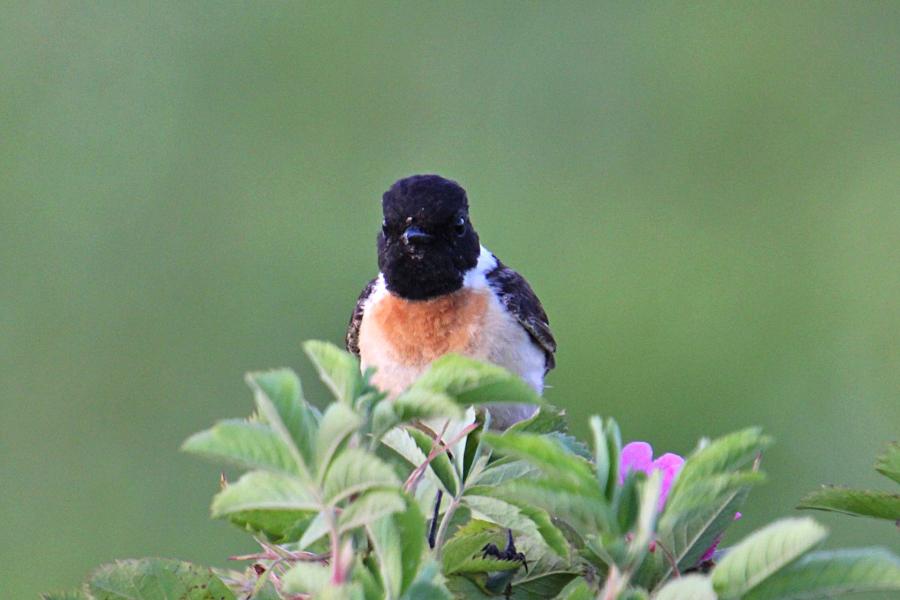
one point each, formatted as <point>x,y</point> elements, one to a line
<point>440,291</point>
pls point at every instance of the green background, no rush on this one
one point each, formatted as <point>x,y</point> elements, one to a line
<point>707,200</point>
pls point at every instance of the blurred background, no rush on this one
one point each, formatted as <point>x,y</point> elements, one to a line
<point>707,199</point>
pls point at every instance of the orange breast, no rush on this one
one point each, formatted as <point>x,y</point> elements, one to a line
<point>421,331</point>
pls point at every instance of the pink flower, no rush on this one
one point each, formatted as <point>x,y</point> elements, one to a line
<point>638,456</point>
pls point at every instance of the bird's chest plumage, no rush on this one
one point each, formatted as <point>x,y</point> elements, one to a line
<point>400,338</point>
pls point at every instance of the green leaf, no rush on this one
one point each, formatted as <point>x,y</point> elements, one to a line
<point>470,381</point>
<point>546,419</point>
<point>888,464</point>
<point>479,564</point>
<point>401,441</point>
<point>70,595</point>
<point>338,423</point>
<point>369,508</point>
<point>601,452</point>
<point>860,503</point>
<point>549,455</point>
<point>277,397</point>
<point>537,586</point>
<point>339,370</point>
<point>427,585</point>
<point>306,578</point>
<point>577,589</point>
<point>440,464</point>
<point>689,587</point>
<point>418,403</point>
<point>246,444</point>
<point>614,445</point>
<point>688,534</point>
<point>399,541</point>
<point>646,519</point>
<point>764,553</point>
<point>300,419</point>
<point>315,530</point>
<point>469,542</point>
<point>504,469</point>
<point>513,513</point>
<point>584,512</point>
<point>355,471</point>
<point>264,490</point>
<point>832,574</point>
<point>156,579</point>
<point>728,453</point>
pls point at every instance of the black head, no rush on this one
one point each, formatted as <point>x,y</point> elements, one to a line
<point>427,242</point>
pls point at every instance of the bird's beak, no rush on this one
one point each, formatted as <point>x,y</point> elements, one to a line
<point>414,235</point>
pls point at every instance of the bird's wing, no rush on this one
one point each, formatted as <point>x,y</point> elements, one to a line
<point>352,339</point>
<point>520,300</point>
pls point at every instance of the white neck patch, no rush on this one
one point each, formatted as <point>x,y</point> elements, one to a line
<point>476,276</point>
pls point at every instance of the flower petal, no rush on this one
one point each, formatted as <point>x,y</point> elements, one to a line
<point>636,456</point>
<point>670,465</point>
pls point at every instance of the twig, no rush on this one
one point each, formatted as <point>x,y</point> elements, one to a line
<point>669,557</point>
<point>438,448</point>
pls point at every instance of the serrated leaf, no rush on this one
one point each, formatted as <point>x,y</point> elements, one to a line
<point>399,541</point>
<point>764,553</point>
<point>440,464</point>
<point>369,508</point>
<point>264,490</point>
<point>277,397</point>
<point>888,463</point>
<point>502,470</point>
<point>338,369</point>
<point>355,471</point>
<point>470,381</point>
<point>512,513</point>
<point>338,423</point>
<point>832,574</point>
<point>859,503</point>
<point>584,512</point>
<point>687,535</point>
<point>546,419</point>
<point>725,454</point>
<point>479,564</point>
<point>468,542</point>
<point>155,579</point>
<point>246,444</point>
<point>548,455</point>
<point>283,388</point>
<point>418,403</point>
<point>689,587</point>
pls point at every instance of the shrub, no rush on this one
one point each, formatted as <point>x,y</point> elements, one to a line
<point>417,498</point>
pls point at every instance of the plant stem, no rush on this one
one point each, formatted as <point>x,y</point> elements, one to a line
<point>445,525</point>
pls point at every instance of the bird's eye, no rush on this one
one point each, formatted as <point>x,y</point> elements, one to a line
<point>459,226</point>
